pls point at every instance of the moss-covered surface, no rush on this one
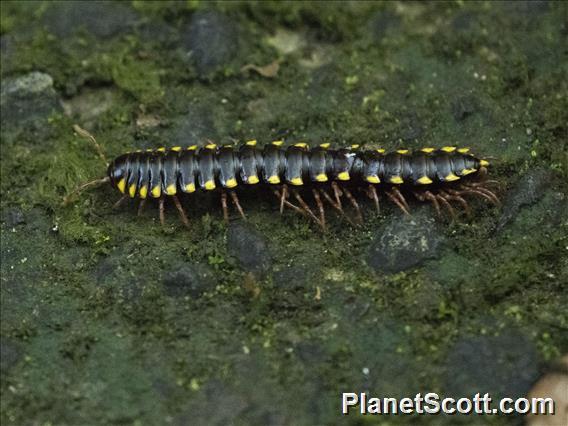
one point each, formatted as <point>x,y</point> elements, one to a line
<point>109,318</point>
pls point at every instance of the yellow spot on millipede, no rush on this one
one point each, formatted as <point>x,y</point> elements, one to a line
<point>322,177</point>
<point>251,143</point>
<point>121,185</point>
<point>396,180</point>
<point>483,163</point>
<point>176,148</point>
<point>373,179</point>
<point>325,145</point>
<point>428,150</point>
<point>231,183</point>
<point>381,151</point>
<point>274,179</point>
<point>132,190</point>
<point>277,143</point>
<point>301,145</point>
<point>211,146</point>
<point>297,181</point>
<point>355,146</point>
<point>192,148</point>
<point>161,149</point>
<point>210,185</point>
<point>143,192</point>
<point>466,172</point>
<point>171,189</point>
<point>252,180</point>
<point>156,191</point>
<point>343,176</point>
<point>402,151</point>
<point>448,148</point>
<point>451,177</point>
<point>463,150</point>
<point>190,187</point>
<point>424,180</point>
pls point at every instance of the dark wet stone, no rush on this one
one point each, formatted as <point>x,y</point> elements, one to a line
<point>216,404</point>
<point>14,217</point>
<point>410,127</point>
<point>529,8</point>
<point>193,128</point>
<point>100,18</point>
<point>192,280</point>
<point>10,355</point>
<point>465,21</point>
<point>463,107</point>
<point>528,190</point>
<point>211,40</point>
<point>311,353</point>
<point>249,248</point>
<point>404,243</point>
<point>382,22</point>
<point>504,366</point>
<point>29,98</point>
<point>293,277</point>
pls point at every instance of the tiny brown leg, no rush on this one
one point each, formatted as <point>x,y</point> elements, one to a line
<point>283,197</point>
<point>448,206</point>
<point>491,197</point>
<point>354,203</point>
<point>305,206</point>
<point>224,206</point>
<point>162,211</point>
<point>399,195</point>
<point>181,211</point>
<point>431,197</point>
<point>397,201</point>
<point>289,204</point>
<point>455,195</point>
<point>235,200</point>
<point>119,202</point>
<point>372,193</point>
<point>337,193</point>
<point>320,207</point>
<point>141,206</point>
<point>336,206</point>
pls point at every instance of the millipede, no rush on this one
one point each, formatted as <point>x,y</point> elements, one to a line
<point>333,177</point>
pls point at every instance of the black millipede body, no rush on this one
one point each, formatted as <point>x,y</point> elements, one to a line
<point>441,176</point>
<point>160,172</point>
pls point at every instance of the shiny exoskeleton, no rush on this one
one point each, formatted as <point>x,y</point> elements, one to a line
<point>160,172</point>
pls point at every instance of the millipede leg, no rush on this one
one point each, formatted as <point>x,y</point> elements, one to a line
<point>320,207</point>
<point>354,203</point>
<point>489,193</point>
<point>224,206</point>
<point>181,211</point>
<point>141,206</point>
<point>397,201</point>
<point>162,211</point>
<point>336,206</point>
<point>305,206</point>
<point>399,195</point>
<point>448,206</point>
<point>283,198</point>
<point>455,195</point>
<point>427,195</point>
<point>119,202</point>
<point>483,192</point>
<point>235,200</point>
<point>289,204</point>
<point>337,193</point>
<point>372,193</point>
